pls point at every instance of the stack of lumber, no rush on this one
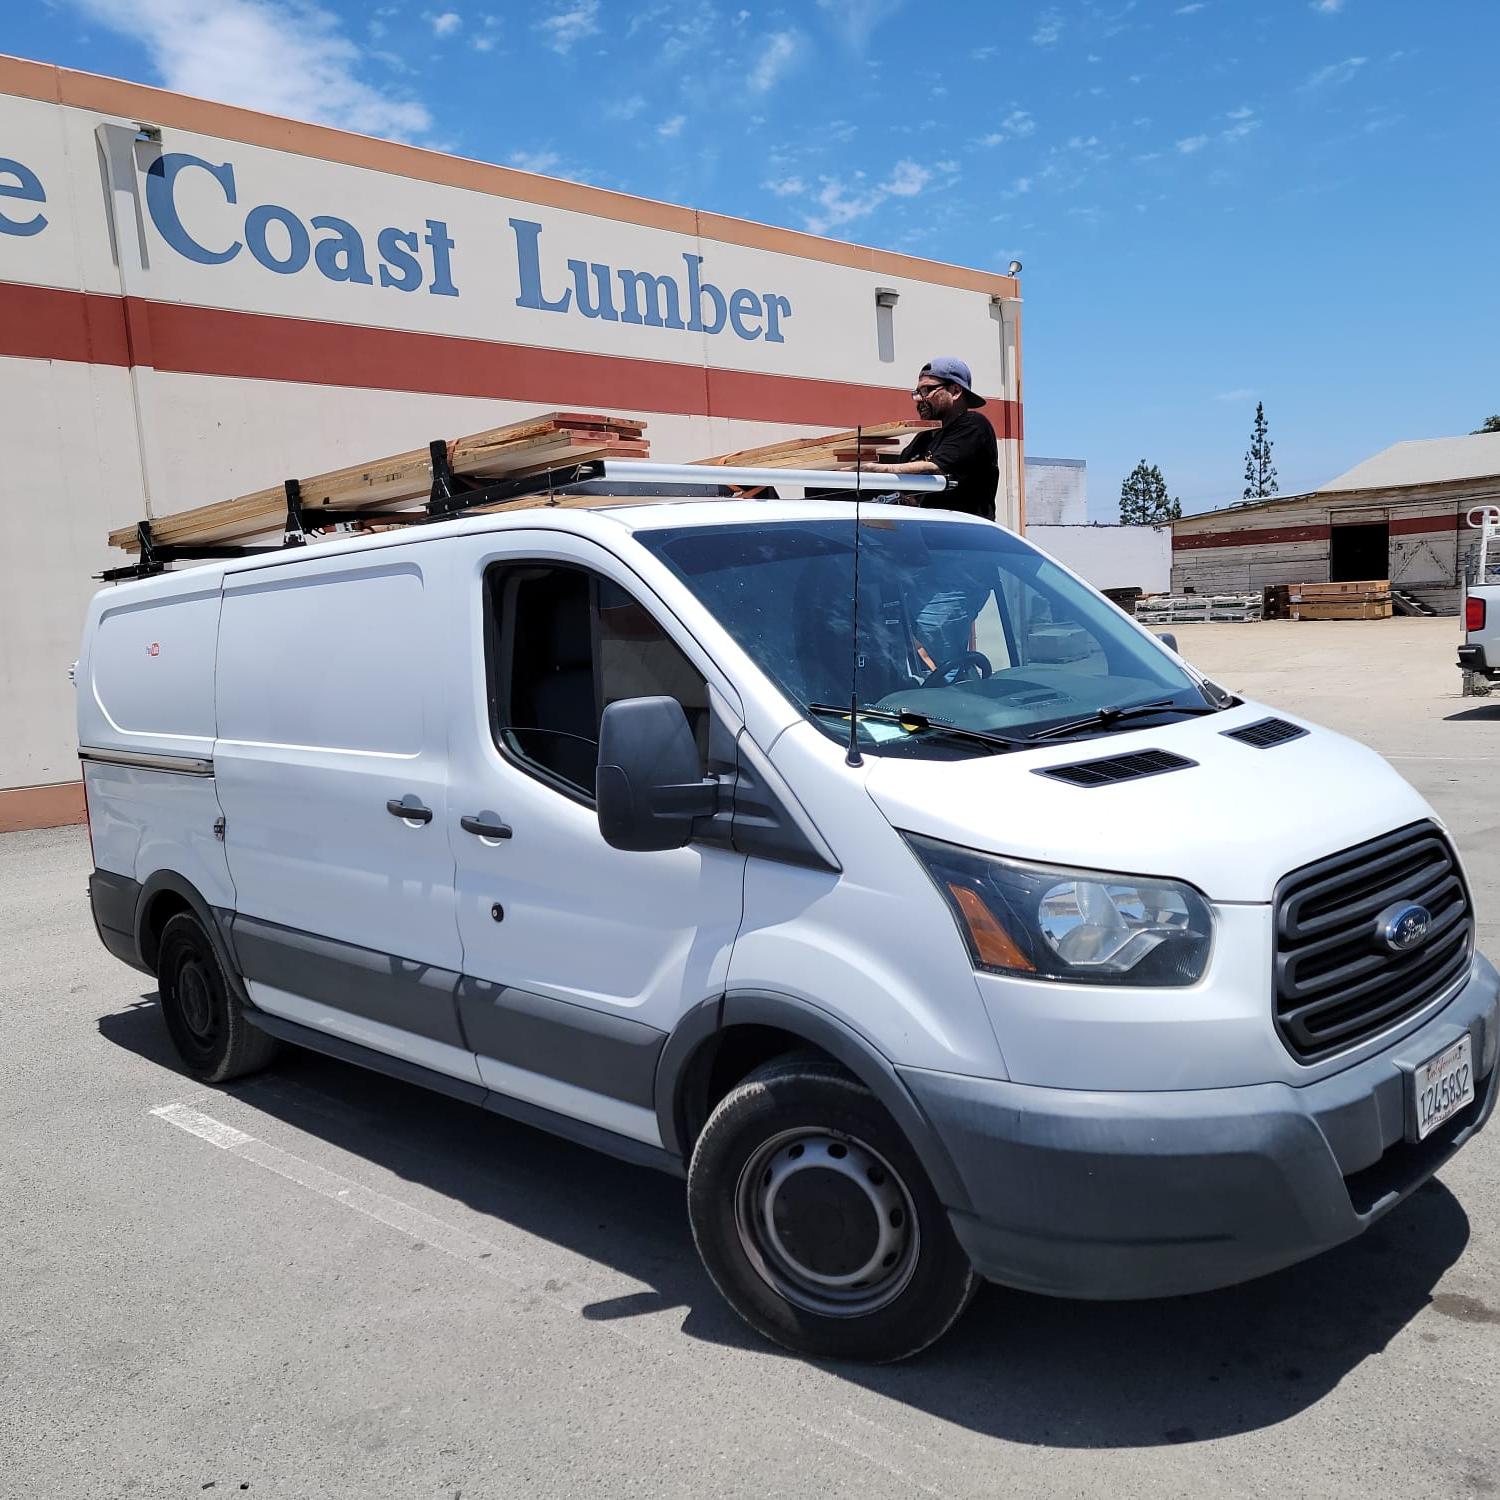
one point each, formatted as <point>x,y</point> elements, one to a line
<point>877,444</point>
<point>1187,609</point>
<point>1370,600</point>
<point>404,480</point>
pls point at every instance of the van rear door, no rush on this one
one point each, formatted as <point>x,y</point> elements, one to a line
<point>332,770</point>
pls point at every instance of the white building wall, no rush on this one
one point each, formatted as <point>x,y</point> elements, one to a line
<point>1057,492</point>
<point>1111,557</point>
<point>136,379</point>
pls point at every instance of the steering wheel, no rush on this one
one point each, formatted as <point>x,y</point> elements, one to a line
<point>939,674</point>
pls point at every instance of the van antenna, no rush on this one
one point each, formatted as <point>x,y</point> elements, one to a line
<point>853,757</point>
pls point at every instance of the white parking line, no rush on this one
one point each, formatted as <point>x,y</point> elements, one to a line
<point>900,1458</point>
<point>448,1238</point>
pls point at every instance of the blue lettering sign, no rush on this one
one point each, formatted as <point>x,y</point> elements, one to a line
<point>28,188</point>
<point>161,204</point>
<point>258,220</point>
<point>647,299</point>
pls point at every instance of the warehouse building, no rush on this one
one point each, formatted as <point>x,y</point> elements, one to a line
<point>199,301</point>
<point>1402,514</point>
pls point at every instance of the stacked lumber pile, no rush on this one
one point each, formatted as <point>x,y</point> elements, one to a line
<point>877,444</point>
<point>1370,600</point>
<point>1187,609</point>
<point>404,480</point>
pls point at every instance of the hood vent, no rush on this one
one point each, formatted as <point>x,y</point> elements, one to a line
<point>1118,768</point>
<point>1264,733</point>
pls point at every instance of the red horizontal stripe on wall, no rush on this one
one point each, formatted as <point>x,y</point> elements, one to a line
<point>1412,525</point>
<point>1190,541</point>
<point>42,323</point>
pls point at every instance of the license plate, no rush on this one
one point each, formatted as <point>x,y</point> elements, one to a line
<point>1443,1085</point>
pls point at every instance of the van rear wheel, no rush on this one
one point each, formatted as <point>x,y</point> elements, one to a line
<point>816,1221</point>
<point>203,1014</point>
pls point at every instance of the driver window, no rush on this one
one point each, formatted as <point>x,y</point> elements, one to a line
<point>563,644</point>
<point>1046,633</point>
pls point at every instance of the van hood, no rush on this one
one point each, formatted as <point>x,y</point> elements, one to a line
<point>1232,824</point>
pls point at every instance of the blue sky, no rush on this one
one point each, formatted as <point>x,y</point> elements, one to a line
<point>1216,201</point>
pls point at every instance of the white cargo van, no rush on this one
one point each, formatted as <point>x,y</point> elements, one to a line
<point>1064,968</point>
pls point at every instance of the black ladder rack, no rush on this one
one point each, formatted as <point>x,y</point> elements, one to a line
<point>451,495</point>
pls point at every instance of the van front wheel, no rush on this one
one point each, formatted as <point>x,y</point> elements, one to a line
<point>816,1221</point>
<point>204,1017</point>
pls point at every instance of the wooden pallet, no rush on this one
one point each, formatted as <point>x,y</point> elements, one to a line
<point>402,480</point>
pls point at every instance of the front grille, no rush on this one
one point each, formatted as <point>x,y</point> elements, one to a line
<point>1336,982</point>
<point>1117,768</point>
<point>1266,732</point>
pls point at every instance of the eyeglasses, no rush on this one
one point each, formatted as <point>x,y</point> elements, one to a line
<point>923,391</point>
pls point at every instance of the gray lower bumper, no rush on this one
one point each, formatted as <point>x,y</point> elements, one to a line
<point>1148,1195</point>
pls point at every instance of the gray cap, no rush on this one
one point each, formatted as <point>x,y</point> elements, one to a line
<point>953,372</point>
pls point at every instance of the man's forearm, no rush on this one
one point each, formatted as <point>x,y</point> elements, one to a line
<point>916,466</point>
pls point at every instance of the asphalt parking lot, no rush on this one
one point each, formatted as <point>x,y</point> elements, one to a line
<point>319,1282</point>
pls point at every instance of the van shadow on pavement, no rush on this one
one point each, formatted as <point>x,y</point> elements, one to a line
<point>1023,1368</point>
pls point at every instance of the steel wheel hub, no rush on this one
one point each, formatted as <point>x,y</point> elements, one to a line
<point>195,1000</point>
<point>825,1220</point>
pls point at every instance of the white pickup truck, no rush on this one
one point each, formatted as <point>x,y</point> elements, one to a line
<point>1480,652</point>
<point>1479,656</point>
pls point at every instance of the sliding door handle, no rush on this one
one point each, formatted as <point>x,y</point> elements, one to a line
<point>484,826</point>
<point>413,810</point>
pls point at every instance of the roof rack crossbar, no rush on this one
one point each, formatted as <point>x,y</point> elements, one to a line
<point>452,494</point>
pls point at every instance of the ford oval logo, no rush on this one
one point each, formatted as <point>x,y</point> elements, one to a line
<point>1402,927</point>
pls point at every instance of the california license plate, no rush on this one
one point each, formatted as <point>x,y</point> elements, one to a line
<point>1443,1085</point>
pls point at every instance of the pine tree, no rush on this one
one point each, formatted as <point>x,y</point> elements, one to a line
<point>1260,472</point>
<point>1491,424</point>
<point>1143,498</point>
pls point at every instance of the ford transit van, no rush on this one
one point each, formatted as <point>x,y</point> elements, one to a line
<point>878,877</point>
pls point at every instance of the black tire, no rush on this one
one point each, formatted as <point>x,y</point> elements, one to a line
<point>203,1013</point>
<point>801,1181</point>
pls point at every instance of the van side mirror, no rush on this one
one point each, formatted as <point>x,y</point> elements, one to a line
<point>649,786</point>
<point>1168,640</point>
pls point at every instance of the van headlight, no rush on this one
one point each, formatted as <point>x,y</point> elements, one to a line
<point>1080,926</point>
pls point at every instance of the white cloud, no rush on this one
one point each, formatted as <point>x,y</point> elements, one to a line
<point>780,53</point>
<point>571,24</point>
<point>856,19</point>
<point>536,161</point>
<point>1191,144</point>
<point>786,187</point>
<point>907,179</point>
<point>668,129</point>
<point>841,203</point>
<point>483,44</point>
<point>1240,129</point>
<point>1335,73</point>
<point>262,54</point>
<point>445,24</point>
<point>984,54</point>
<point>1016,124</point>
<point>741,16</point>
<point>1049,27</point>
<point>1328,7</point>
<point>626,109</point>
<point>1239,395</point>
<point>1244,112</point>
<point>1189,10</point>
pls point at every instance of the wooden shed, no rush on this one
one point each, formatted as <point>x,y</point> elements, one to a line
<point>1400,515</point>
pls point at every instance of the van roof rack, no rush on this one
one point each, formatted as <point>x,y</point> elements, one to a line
<point>470,474</point>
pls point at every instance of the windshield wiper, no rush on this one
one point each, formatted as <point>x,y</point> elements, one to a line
<point>917,723</point>
<point>1107,718</point>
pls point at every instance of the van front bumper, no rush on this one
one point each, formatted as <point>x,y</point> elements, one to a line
<point>1123,1195</point>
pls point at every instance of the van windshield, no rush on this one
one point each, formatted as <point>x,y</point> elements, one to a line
<point>961,626</point>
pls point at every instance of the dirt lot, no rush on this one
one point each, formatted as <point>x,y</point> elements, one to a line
<point>350,1287</point>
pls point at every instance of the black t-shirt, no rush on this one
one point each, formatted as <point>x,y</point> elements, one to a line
<point>966,451</point>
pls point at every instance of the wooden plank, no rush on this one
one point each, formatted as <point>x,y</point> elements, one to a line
<point>790,454</point>
<point>519,448</point>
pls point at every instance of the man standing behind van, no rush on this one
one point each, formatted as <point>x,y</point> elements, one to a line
<point>963,448</point>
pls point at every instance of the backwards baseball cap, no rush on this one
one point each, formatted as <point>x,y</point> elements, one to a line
<point>953,372</point>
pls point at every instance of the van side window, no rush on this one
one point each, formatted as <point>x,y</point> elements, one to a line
<point>1046,632</point>
<point>563,644</point>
